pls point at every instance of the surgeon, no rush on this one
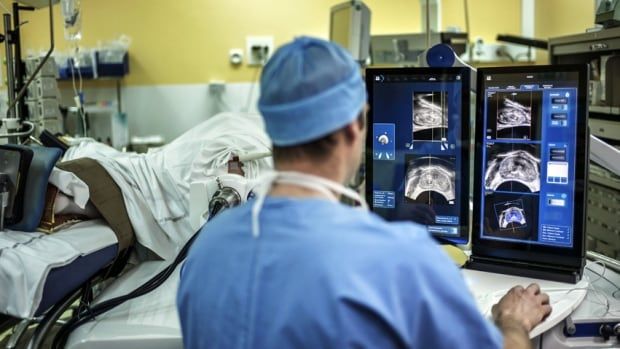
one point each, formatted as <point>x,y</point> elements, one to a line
<point>295,268</point>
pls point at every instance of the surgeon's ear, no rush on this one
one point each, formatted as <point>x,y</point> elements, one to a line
<point>352,132</point>
<point>356,129</point>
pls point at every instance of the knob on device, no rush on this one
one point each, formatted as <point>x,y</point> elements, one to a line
<point>606,331</point>
<point>384,139</point>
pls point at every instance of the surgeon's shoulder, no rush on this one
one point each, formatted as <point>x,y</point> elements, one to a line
<point>404,232</point>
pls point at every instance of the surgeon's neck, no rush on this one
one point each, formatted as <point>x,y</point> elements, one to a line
<point>332,169</point>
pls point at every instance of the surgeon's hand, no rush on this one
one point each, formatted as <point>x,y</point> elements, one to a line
<point>518,312</point>
<point>527,306</point>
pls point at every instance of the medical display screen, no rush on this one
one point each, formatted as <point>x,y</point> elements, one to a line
<point>417,148</point>
<point>528,137</point>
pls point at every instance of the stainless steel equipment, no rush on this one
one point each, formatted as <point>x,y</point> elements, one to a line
<point>404,49</point>
<point>608,13</point>
<point>603,212</point>
<point>14,120</point>
<point>349,26</point>
<point>601,50</point>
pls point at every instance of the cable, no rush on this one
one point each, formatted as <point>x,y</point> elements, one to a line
<point>81,107</point>
<point>600,275</point>
<point>467,30</point>
<point>20,134</point>
<point>599,297</point>
<point>78,92</point>
<point>428,24</point>
<point>616,293</point>
<point>223,102</point>
<point>251,93</point>
<point>81,85</point>
<point>89,313</point>
<point>596,296</point>
<point>264,51</point>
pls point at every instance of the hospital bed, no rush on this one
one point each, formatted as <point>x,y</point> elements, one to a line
<point>44,264</point>
<point>150,321</point>
<point>46,274</point>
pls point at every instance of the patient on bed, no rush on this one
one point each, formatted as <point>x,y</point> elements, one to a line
<point>99,200</point>
<point>145,197</point>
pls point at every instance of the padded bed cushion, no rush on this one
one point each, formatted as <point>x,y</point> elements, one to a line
<point>63,280</point>
<point>37,270</point>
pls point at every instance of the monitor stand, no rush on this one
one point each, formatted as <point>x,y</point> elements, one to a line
<point>533,270</point>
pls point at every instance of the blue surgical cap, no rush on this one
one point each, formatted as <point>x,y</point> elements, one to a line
<point>309,89</point>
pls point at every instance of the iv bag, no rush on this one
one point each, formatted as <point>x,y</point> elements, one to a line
<point>72,15</point>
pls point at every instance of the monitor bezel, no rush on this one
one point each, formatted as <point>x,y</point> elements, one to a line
<point>464,216</point>
<point>524,252</point>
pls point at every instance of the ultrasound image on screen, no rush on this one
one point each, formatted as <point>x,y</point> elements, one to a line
<point>430,116</point>
<point>430,180</point>
<point>512,168</point>
<point>514,115</point>
<point>512,216</point>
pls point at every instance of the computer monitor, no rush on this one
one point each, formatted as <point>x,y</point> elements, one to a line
<point>417,153</point>
<point>349,26</point>
<point>531,170</point>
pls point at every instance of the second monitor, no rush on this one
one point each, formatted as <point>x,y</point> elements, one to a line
<point>531,171</point>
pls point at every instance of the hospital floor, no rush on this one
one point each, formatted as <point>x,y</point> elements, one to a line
<point>23,343</point>
<point>4,321</point>
<point>4,335</point>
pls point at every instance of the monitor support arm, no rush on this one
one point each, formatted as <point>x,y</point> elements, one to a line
<point>443,56</point>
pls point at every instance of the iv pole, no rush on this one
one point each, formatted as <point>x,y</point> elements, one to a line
<point>13,120</point>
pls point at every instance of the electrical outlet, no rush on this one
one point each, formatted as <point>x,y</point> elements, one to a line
<point>235,56</point>
<point>258,49</point>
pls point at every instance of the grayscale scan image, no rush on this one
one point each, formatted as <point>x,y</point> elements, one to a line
<point>430,180</point>
<point>513,168</point>
<point>514,115</point>
<point>430,116</point>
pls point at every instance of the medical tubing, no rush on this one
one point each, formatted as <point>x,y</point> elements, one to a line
<point>20,134</point>
<point>90,313</point>
<point>254,82</point>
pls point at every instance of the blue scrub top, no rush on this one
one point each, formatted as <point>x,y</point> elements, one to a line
<point>324,275</point>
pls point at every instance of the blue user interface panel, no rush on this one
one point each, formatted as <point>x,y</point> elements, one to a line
<point>416,132</point>
<point>528,160</point>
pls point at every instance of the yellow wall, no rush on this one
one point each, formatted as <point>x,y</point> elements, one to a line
<point>187,41</point>
<point>487,18</point>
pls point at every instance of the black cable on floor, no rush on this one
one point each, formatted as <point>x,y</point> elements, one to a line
<point>90,313</point>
